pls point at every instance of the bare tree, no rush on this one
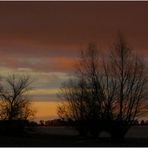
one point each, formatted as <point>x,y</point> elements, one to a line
<point>106,94</point>
<point>128,74</point>
<point>14,103</point>
<point>83,94</point>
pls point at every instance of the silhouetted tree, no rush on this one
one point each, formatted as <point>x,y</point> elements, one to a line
<point>108,93</point>
<point>128,75</point>
<point>14,104</point>
<point>83,94</point>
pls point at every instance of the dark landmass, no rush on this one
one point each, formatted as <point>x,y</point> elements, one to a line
<point>68,137</point>
<point>58,140</point>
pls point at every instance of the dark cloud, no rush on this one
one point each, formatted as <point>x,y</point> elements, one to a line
<point>32,32</point>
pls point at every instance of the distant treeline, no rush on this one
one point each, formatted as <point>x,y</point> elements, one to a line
<point>59,122</point>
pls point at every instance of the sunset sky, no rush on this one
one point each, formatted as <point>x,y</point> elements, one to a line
<point>43,39</point>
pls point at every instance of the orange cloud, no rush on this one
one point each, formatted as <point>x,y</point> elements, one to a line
<point>64,63</point>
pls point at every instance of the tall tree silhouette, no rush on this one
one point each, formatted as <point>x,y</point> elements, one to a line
<point>130,74</point>
<point>83,94</point>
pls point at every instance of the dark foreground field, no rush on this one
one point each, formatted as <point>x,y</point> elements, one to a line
<point>137,136</point>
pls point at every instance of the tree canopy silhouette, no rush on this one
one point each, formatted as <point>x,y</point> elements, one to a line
<point>105,93</point>
<point>14,104</point>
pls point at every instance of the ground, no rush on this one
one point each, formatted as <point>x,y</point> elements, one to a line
<point>61,136</point>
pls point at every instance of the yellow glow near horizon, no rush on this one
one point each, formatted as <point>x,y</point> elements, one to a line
<point>45,110</point>
<point>42,91</point>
